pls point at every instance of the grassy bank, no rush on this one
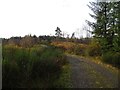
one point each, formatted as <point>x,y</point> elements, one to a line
<point>39,66</point>
<point>64,80</point>
<point>91,50</point>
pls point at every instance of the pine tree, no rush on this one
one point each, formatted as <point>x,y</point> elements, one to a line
<point>106,28</point>
<point>58,32</point>
<point>116,14</point>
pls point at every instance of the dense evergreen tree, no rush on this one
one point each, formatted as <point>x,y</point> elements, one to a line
<point>106,26</point>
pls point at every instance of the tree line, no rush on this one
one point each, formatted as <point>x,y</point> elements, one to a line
<point>29,40</point>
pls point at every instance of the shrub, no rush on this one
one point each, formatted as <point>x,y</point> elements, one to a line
<point>24,65</point>
<point>10,75</point>
<point>49,63</point>
<point>66,46</point>
<point>94,49</point>
<point>112,58</point>
<point>9,52</point>
<point>79,49</point>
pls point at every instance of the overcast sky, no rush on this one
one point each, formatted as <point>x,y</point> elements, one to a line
<point>41,17</point>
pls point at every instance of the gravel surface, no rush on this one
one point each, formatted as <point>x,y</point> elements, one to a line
<point>87,74</point>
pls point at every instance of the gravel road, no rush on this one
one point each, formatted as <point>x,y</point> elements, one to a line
<point>87,74</point>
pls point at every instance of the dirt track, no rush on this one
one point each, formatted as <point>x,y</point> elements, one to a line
<point>87,74</point>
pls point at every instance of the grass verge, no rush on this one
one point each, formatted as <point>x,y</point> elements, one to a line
<point>64,80</point>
